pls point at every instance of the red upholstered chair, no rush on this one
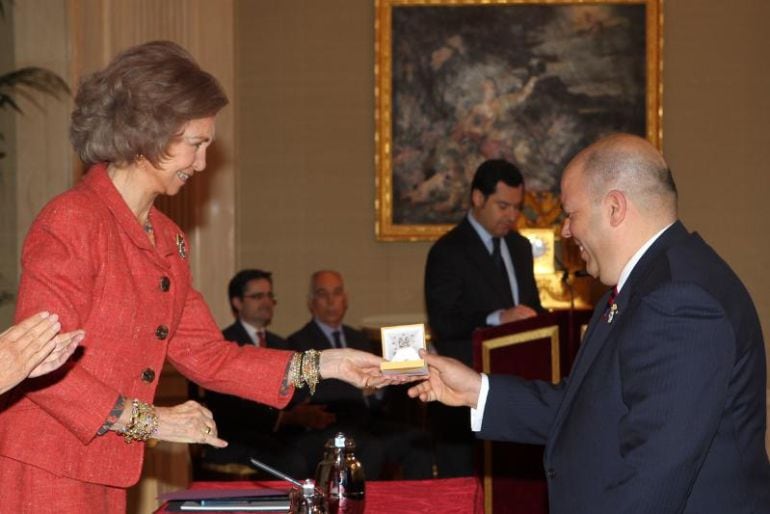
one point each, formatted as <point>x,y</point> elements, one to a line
<point>538,348</point>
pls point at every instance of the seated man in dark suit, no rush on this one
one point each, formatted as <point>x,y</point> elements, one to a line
<point>252,429</point>
<point>381,442</point>
<point>478,274</point>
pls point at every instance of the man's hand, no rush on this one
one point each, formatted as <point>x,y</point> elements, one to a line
<point>517,313</point>
<point>450,382</point>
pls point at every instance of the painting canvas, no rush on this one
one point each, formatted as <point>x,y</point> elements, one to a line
<point>530,82</point>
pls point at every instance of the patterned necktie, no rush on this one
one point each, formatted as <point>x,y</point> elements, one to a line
<point>337,339</point>
<point>261,339</point>
<point>497,258</point>
<point>612,307</point>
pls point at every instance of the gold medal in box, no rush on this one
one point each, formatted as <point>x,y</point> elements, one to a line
<point>401,347</point>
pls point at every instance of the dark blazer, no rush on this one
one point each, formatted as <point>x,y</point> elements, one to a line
<point>236,417</point>
<point>664,411</point>
<point>462,286</point>
<point>340,397</point>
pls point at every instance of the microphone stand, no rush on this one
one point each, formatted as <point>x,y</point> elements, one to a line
<point>573,336</point>
<point>565,278</point>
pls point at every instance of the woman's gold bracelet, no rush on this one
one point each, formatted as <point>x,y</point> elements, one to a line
<point>143,423</point>
<point>304,369</point>
<point>311,360</point>
<point>295,371</point>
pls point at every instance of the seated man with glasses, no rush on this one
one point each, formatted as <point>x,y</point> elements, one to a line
<point>252,429</point>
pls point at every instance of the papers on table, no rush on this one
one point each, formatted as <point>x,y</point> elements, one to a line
<point>224,500</point>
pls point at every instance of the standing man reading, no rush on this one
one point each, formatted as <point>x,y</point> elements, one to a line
<point>478,274</point>
<point>664,410</point>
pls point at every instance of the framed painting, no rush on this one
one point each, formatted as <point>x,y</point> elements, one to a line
<point>458,82</point>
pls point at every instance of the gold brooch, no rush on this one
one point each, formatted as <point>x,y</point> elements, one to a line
<point>180,246</point>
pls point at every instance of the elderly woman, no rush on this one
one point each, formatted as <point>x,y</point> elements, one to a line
<point>104,259</point>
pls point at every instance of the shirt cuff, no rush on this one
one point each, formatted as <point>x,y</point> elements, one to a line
<point>113,416</point>
<point>477,414</point>
<point>493,319</point>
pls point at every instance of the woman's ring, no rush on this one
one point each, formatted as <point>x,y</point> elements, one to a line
<point>208,431</point>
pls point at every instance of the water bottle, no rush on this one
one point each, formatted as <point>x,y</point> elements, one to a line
<point>340,476</point>
<point>308,500</point>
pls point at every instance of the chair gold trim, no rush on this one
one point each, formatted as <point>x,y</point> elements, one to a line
<point>549,332</point>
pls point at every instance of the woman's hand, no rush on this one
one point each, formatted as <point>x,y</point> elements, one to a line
<point>32,348</point>
<point>189,422</point>
<point>66,344</point>
<point>361,369</point>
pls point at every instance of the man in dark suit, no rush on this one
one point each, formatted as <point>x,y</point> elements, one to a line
<point>381,442</point>
<point>253,429</point>
<point>664,411</point>
<point>478,274</point>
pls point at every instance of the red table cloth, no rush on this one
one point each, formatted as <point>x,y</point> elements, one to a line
<point>445,496</point>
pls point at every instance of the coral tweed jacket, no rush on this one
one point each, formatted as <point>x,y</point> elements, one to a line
<point>88,260</point>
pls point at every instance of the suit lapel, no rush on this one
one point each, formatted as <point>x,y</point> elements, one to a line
<point>599,329</point>
<point>479,255</point>
<point>237,334</point>
<point>319,335</point>
<point>596,335</point>
<point>354,340</point>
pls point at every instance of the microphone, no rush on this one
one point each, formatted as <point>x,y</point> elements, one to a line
<point>565,272</point>
<point>578,273</point>
<point>275,472</point>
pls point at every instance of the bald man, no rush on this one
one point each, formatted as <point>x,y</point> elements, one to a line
<point>664,411</point>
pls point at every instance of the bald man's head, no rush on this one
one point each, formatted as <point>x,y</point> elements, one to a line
<point>630,164</point>
<point>328,301</point>
<point>616,194</point>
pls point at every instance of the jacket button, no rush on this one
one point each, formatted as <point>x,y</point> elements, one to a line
<point>165,284</point>
<point>161,332</point>
<point>148,375</point>
<point>551,473</point>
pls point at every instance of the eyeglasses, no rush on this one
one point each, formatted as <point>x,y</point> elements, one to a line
<point>260,296</point>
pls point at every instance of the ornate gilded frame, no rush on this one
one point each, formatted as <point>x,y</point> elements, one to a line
<point>388,226</point>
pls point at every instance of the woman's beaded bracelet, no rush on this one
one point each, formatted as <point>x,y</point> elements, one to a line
<point>304,369</point>
<point>143,423</point>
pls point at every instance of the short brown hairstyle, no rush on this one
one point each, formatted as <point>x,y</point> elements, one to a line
<point>140,102</point>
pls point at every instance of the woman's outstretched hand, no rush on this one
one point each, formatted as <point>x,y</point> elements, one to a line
<point>361,369</point>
